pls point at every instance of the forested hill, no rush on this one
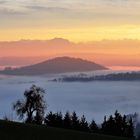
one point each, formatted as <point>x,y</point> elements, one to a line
<point>129,76</point>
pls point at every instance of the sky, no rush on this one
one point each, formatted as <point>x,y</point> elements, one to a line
<point>76,20</point>
<point>111,53</point>
<point>102,29</point>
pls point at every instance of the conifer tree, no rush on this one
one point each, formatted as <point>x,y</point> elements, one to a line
<point>59,119</point>
<point>93,127</point>
<point>50,119</point>
<point>75,121</point>
<point>67,120</point>
<point>83,124</point>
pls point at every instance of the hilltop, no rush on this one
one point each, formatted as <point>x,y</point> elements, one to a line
<point>55,66</point>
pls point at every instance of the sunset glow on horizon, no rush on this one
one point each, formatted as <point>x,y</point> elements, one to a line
<point>83,34</point>
<point>105,31</point>
<point>78,21</point>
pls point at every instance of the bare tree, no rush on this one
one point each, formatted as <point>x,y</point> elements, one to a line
<point>32,107</point>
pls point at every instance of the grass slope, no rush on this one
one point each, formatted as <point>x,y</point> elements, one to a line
<point>18,131</point>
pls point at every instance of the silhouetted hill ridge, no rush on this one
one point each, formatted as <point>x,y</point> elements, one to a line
<point>55,66</point>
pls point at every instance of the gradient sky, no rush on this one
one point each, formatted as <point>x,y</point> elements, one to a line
<point>76,20</point>
<point>109,29</point>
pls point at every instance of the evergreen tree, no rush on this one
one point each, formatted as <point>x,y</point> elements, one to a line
<point>111,125</point>
<point>118,126</point>
<point>59,119</point>
<point>67,120</point>
<point>75,121</point>
<point>103,128</point>
<point>50,119</point>
<point>130,129</point>
<point>118,123</point>
<point>124,125</point>
<point>93,127</point>
<point>83,124</point>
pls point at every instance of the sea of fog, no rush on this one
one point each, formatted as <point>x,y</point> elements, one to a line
<point>93,99</point>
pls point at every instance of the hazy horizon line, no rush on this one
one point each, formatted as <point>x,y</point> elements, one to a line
<point>70,40</point>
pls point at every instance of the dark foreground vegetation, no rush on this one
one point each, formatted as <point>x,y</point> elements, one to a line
<point>22,131</point>
<point>31,110</point>
<point>38,125</point>
<point>116,124</point>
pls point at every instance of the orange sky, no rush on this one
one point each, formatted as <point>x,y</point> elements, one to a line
<point>107,52</point>
<point>75,20</point>
<point>81,33</point>
<point>109,30</point>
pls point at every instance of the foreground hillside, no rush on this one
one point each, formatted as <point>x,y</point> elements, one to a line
<point>17,131</point>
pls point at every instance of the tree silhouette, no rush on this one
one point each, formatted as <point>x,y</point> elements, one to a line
<point>118,125</point>
<point>33,105</point>
<point>32,108</point>
<point>75,121</point>
<point>93,127</point>
<point>83,124</point>
<point>59,119</point>
<point>130,128</point>
<point>67,120</point>
<point>124,125</point>
<point>50,119</point>
<point>54,119</point>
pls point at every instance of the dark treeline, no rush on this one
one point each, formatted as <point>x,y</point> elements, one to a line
<point>129,76</point>
<point>31,109</point>
<point>116,124</point>
<point>69,121</point>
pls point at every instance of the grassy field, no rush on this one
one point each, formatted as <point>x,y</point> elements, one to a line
<point>18,131</point>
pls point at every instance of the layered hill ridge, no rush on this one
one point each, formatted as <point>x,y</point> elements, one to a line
<point>56,66</point>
